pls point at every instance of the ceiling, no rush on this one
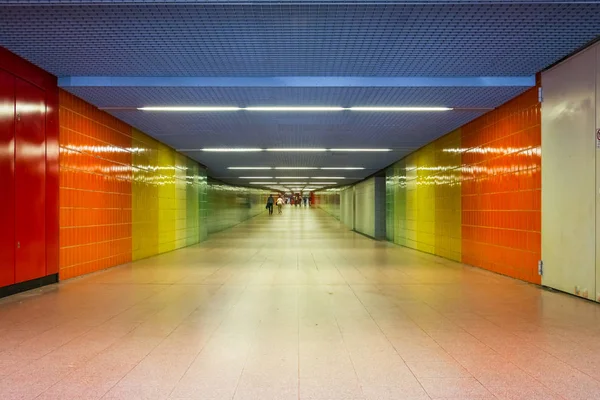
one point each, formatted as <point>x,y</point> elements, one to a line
<point>464,54</point>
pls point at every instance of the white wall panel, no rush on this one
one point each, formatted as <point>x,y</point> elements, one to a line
<point>364,198</point>
<point>347,207</point>
<point>569,175</point>
<point>597,49</point>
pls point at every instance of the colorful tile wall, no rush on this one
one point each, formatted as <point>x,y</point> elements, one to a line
<point>95,189</point>
<point>228,206</point>
<point>501,189</point>
<point>474,195</point>
<point>123,195</point>
<point>145,196</point>
<point>329,201</point>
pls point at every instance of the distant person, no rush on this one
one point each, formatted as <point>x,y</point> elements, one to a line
<point>270,202</point>
<point>305,201</point>
<point>279,205</point>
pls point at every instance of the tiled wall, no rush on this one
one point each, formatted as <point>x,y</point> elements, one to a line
<point>123,195</point>
<point>474,194</point>
<point>95,188</point>
<point>329,201</point>
<point>229,206</point>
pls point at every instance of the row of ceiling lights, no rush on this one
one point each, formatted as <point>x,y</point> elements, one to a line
<point>301,149</point>
<point>292,109</point>
<point>296,168</point>
<point>291,183</point>
<point>292,177</point>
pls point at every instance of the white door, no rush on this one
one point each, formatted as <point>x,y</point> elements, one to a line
<point>569,175</point>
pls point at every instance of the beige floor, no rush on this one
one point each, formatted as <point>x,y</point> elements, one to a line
<point>297,307</point>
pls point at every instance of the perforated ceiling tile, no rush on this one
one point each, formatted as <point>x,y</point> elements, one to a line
<point>479,97</point>
<point>87,2</point>
<point>286,39</point>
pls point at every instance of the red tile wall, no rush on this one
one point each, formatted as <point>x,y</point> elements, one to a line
<point>95,188</point>
<point>501,189</point>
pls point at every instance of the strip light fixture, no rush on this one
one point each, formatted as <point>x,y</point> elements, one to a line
<point>228,150</point>
<point>282,150</point>
<point>361,150</point>
<point>190,109</point>
<point>323,168</point>
<point>256,177</point>
<point>343,168</point>
<point>291,109</point>
<point>401,109</point>
<point>295,168</point>
<point>301,149</point>
<point>249,168</point>
<point>294,108</point>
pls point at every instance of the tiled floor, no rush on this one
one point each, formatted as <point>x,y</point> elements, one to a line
<point>297,307</point>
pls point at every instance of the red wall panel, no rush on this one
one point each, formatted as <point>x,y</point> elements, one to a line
<point>31,208</point>
<point>30,181</point>
<point>7,170</point>
<point>52,182</point>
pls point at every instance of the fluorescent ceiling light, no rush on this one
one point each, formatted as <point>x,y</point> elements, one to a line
<point>293,183</point>
<point>299,149</point>
<point>327,177</point>
<point>289,108</point>
<point>294,108</point>
<point>262,183</point>
<point>362,150</point>
<point>256,177</point>
<point>343,168</point>
<point>186,108</point>
<point>291,177</point>
<point>249,168</point>
<point>322,183</point>
<point>400,109</point>
<point>231,149</point>
<point>299,168</point>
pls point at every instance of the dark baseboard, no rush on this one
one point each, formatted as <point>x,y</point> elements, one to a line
<point>28,285</point>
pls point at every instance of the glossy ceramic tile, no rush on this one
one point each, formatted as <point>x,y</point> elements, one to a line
<point>297,307</point>
<point>124,196</point>
<point>227,206</point>
<point>474,194</point>
<point>95,188</point>
<point>329,201</point>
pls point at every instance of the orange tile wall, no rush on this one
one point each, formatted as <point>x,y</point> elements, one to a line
<point>501,189</point>
<point>95,188</point>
